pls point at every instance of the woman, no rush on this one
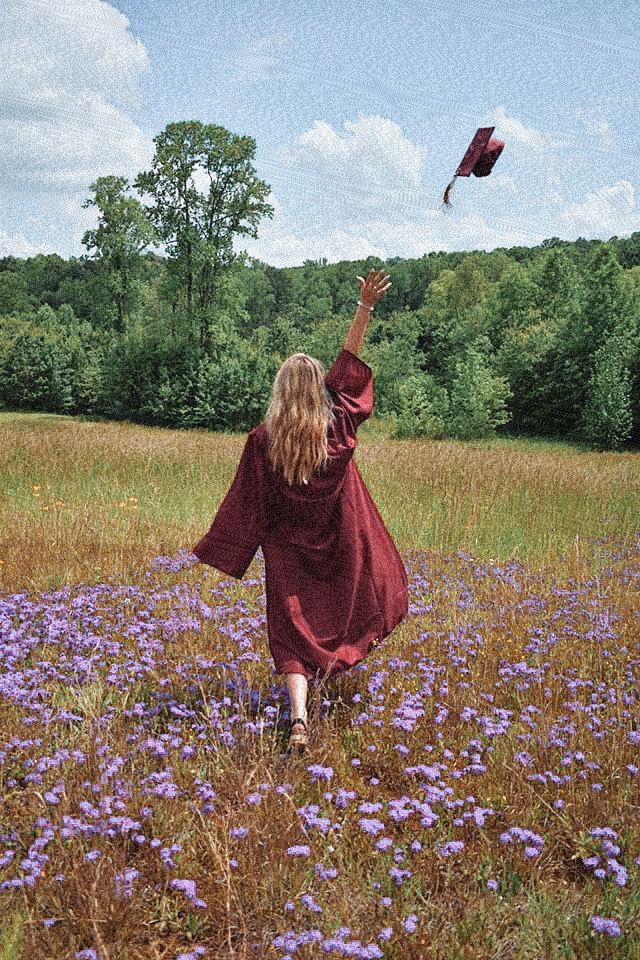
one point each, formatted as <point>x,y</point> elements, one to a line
<point>335,583</point>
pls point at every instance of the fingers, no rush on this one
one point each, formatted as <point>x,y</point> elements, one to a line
<point>381,283</point>
<point>376,277</point>
<point>377,282</point>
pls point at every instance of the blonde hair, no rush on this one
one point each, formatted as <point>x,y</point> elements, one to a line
<point>298,417</point>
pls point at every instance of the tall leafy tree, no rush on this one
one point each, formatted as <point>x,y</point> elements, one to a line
<point>557,374</point>
<point>522,358</point>
<point>123,232</point>
<point>203,190</point>
<point>456,316</point>
<point>260,297</point>
<point>512,303</point>
<point>478,398</point>
<point>606,418</point>
<point>558,284</point>
<point>607,311</point>
<point>629,250</point>
<point>43,275</point>
<point>14,297</point>
<point>608,305</point>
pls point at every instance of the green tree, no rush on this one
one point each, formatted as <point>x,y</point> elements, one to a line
<point>512,303</point>
<point>606,419</point>
<point>260,302</point>
<point>557,283</point>
<point>283,337</point>
<point>522,359</point>
<point>197,227</point>
<point>607,311</point>
<point>394,358</point>
<point>478,398</point>
<point>608,305</point>
<point>467,292</point>
<point>43,275</point>
<point>318,303</point>
<point>423,408</point>
<point>123,232</point>
<point>36,365</point>
<point>557,371</point>
<point>455,315</point>
<point>14,297</point>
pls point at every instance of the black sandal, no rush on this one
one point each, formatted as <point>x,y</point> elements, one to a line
<point>299,739</point>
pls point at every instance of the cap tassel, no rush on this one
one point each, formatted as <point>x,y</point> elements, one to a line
<point>447,192</point>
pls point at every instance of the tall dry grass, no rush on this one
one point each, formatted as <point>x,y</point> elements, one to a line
<point>471,792</point>
<point>83,501</point>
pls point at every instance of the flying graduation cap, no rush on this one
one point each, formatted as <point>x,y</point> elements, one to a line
<point>481,155</point>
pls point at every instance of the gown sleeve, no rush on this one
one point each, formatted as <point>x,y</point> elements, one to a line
<point>239,526</point>
<point>350,380</point>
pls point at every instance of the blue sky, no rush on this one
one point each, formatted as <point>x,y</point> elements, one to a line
<point>360,115</point>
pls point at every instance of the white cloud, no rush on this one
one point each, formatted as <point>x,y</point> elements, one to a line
<point>17,245</point>
<point>475,232</point>
<point>591,119</point>
<point>536,155</point>
<point>371,151</point>
<point>516,133</point>
<point>49,49</point>
<point>608,210</point>
<point>68,146</point>
<point>361,193</point>
<point>70,78</point>
<point>284,241</point>
<point>500,183</point>
<point>604,133</point>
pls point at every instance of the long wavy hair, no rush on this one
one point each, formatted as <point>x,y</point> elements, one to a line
<point>298,417</point>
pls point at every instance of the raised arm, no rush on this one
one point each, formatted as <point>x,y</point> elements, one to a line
<point>371,290</point>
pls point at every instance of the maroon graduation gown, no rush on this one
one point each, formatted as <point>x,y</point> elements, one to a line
<point>335,583</point>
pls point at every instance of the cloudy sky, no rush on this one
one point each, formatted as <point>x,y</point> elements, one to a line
<point>360,112</point>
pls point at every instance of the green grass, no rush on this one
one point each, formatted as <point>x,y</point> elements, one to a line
<point>106,495</point>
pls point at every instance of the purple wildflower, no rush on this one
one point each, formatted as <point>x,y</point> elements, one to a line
<point>410,923</point>
<point>188,887</point>
<point>452,846</point>
<point>318,772</point>
<point>124,882</point>
<point>606,925</point>
<point>370,825</point>
<point>300,850</point>
<point>325,873</point>
<point>239,833</point>
<point>384,843</point>
<point>309,902</point>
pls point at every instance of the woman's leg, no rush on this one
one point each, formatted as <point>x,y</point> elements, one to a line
<point>297,686</point>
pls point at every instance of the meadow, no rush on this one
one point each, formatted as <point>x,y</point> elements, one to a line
<point>470,790</point>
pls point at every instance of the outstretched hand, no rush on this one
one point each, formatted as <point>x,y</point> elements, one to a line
<point>374,287</point>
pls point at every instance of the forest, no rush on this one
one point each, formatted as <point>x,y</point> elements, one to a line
<point>163,322</point>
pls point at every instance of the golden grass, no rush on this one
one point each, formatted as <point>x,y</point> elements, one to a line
<point>484,641</point>
<point>84,501</point>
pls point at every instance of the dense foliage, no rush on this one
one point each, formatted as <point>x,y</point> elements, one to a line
<point>542,340</point>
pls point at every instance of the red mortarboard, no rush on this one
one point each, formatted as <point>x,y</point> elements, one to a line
<point>479,159</point>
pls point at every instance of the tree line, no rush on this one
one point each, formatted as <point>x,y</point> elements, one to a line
<point>162,322</point>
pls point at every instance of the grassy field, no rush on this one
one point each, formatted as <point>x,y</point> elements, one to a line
<point>81,501</point>
<point>470,790</point>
